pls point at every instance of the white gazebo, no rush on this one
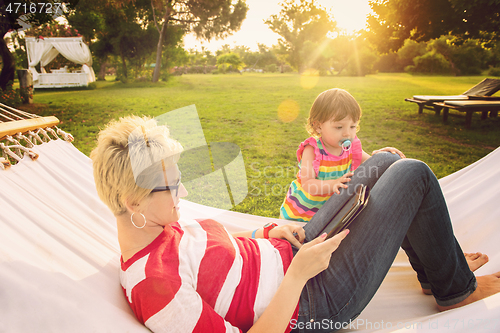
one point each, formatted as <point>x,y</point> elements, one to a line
<point>44,50</point>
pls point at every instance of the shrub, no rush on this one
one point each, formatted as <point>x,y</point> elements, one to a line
<point>361,63</point>
<point>494,71</point>
<point>469,58</point>
<point>271,68</point>
<point>431,63</point>
<point>388,63</point>
<point>409,51</point>
<point>286,69</point>
<point>11,96</point>
<point>92,86</point>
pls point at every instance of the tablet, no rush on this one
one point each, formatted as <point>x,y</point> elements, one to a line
<point>348,212</point>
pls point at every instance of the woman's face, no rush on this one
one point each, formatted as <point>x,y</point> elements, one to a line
<point>163,206</point>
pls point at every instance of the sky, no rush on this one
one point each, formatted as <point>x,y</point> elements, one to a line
<point>349,14</point>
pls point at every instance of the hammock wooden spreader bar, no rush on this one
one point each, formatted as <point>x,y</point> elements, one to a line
<point>20,131</point>
<point>22,126</point>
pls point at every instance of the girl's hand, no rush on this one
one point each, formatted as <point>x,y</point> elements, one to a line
<point>287,231</point>
<point>390,150</point>
<point>340,182</point>
<point>314,257</point>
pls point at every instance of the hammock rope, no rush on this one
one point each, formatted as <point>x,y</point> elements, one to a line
<point>20,131</point>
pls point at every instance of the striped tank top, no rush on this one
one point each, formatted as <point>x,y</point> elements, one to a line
<point>300,205</point>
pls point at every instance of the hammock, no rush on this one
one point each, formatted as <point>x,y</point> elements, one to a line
<point>59,254</point>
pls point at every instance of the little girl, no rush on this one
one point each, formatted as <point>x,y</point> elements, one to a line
<point>327,159</point>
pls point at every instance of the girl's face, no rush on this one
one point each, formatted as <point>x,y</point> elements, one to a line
<point>333,132</point>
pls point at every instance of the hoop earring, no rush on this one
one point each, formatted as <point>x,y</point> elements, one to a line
<point>135,225</point>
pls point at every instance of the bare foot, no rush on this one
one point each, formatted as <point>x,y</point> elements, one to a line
<point>427,291</point>
<point>474,260</point>
<point>487,285</point>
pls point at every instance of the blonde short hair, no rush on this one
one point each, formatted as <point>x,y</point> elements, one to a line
<point>127,149</point>
<point>333,104</point>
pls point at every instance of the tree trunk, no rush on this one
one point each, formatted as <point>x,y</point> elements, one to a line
<point>342,67</point>
<point>9,67</point>
<point>102,71</point>
<point>156,73</point>
<point>124,65</point>
<point>26,85</point>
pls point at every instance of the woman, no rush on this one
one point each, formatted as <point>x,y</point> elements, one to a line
<point>193,276</point>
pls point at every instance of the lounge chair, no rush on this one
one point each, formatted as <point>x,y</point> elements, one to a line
<point>481,91</point>
<point>469,107</point>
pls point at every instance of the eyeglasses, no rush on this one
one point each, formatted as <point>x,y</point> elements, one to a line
<point>174,188</point>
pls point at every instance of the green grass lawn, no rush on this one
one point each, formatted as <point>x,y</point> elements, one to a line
<point>243,109</point>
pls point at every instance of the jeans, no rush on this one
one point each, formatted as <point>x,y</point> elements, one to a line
<point>406,208</point>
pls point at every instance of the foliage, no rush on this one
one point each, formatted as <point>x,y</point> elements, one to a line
<point>272,68</point>
<point>229,62</point>
<point>469,58</point>
<point>89,18</point>
<point>301,24</point>
<point>445,55</point>
<point>494,71</point>
<point>267,56</point>
<point>394,21</point>
<point>397,61</point>
<point>364,59</point>
<point>317,55</point>
<point>10,20</point>
<point>343,49</point>
<point>387,63</point>
<point>11,96</point>
<point>254,59</point>
<point>430,63</point>
<point>494,60</point>
<point>352,55</point>
<point>124,34</point>
<point>16,42</point>
<point>52,29</point>
<point>410,50</point>
<point>202,59</point>
<point>121,32</point>
<point>206,18</point>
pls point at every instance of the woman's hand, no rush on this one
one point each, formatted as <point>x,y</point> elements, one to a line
<point>287,232</point>
<point>314,256</point>
<point>390,150</point>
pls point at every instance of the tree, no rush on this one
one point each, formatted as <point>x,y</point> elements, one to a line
<point>206,18</point>
<point>266,56</point>
<point>410,50</point>
<point>352,55</point>
<point>29,13</point>
<point>298,23</point>
<point>88,19</point>
<point>421,20</point>
<point>123,31</point>
<point>229,61</point>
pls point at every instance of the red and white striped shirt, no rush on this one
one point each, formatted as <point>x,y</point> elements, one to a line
<point>196,277</point>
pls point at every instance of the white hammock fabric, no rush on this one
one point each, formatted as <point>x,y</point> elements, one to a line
<point>59,255</point>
